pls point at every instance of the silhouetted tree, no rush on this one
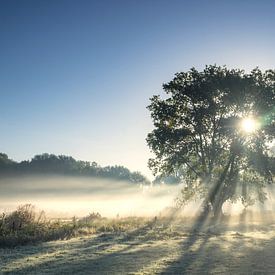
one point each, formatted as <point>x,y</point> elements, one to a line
<point>6,164</point>
<point>198,130</point>
<point>66,165</point>
<point>4,159</point>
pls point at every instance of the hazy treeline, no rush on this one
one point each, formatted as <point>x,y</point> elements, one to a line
<point>66,165</point>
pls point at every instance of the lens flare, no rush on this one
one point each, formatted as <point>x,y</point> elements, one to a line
<point>249,125</point>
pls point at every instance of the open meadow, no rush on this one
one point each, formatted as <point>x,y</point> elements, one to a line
<point>137,137</point>
<point>239,245</point>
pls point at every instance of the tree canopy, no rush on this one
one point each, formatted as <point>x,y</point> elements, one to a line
<point>66,165</point>
<point>216,126</point>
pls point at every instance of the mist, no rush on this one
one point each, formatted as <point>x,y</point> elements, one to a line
<point>62,196</point>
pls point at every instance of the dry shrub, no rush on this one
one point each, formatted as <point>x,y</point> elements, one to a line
<point>25,225</point>
<point>91,217</point>
<point>24,216</point>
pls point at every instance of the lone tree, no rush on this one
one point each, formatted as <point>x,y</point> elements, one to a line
<point>215,129</point>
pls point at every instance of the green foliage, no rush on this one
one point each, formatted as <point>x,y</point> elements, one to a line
<point>197,130</point>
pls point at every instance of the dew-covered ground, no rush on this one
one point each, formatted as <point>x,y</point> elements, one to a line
<point>238,244</point>
<point>235,246</point>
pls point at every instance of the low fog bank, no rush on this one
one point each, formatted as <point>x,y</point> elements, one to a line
<point>63,196</point>
<point>78,196</point>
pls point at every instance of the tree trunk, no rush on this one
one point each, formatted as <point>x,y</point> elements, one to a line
<point>216,196</point>
<point>217,208</point>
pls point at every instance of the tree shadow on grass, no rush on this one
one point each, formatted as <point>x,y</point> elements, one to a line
<point>200,252</point>
<point>114,258</point>
<point>98,244</point>
<point>237,253</point>
<point>196,234</point>
<point>135,249</point>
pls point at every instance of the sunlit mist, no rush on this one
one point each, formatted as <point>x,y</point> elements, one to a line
<point>249,125</point>
<point>68,196</point>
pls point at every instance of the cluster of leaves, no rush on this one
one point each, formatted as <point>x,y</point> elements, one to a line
<point>197,128</point>
<point>66,165</point>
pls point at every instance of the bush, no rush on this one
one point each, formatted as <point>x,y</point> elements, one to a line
<point>22,225</point>
<point>25,225</point>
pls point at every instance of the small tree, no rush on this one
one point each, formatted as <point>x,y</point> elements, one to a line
<point>215,126</point>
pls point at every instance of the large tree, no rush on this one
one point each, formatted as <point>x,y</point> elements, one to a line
<point>216,127</point>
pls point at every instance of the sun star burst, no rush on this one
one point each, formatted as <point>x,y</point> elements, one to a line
<point>249,125</point>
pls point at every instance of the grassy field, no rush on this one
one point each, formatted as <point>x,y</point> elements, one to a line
<point>153,246</point>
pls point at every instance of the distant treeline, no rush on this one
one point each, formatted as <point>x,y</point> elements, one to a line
<point>50,164</point>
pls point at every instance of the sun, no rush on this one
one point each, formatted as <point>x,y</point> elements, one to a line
<point>249,125</point>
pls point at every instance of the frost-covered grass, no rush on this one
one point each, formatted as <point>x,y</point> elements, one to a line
<point>159,245</point>
<point>25,226</point>
<point>147,251</point>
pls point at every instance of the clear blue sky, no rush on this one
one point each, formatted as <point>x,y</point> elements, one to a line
<point>76,76</point>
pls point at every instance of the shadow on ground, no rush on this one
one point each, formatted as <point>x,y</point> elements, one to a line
<point>158,247</point>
